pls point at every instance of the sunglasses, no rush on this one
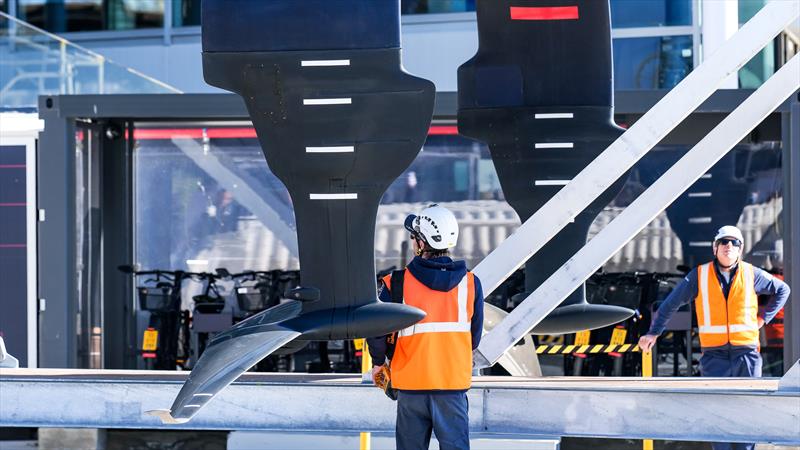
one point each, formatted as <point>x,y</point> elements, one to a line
<point>726,241</point>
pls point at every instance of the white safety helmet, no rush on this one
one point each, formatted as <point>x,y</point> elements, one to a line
<point>729,231</point>
<point>437,225</point>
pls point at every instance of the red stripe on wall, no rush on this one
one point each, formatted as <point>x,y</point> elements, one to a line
<point>234,133</point>
<point>442,130</point>
<point>12,166</point>
<point>13,204</point>
<point>13,245</point>
<point>544,13</point>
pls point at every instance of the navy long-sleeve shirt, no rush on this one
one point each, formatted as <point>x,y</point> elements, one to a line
<point>440,274</point>
<point>686,291</point>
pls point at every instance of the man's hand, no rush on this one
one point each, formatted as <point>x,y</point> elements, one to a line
<point>376,370</point>
<point>760,322</point>
<point>647,342</point>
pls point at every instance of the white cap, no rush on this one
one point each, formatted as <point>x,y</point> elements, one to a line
<point>729,231</point>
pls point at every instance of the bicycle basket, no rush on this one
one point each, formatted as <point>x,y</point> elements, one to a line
<point>252,298</point>
<point>155,299</point>
<point>206,304</point>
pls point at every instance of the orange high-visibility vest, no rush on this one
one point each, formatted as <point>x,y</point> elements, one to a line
<point>435,353</point>
<point>774,330</point>
<point>734,321</point>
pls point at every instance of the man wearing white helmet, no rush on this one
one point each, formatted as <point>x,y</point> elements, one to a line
<point>725,292</point>
<point>431,362</point>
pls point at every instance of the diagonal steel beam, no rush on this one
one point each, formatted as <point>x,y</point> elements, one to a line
<point>623,153</point>
<point>643,210</point>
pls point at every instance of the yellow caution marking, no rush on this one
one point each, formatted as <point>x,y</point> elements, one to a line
<point>591,349</point>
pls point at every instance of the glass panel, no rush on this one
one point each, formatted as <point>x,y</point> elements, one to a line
<point>34,62</point>
<point>436,6</point>
<point>652,62</point>
<point>209,201</point>
<point>650,13</point>
<point>762,66</point>
<point>87,247</point>
<point>61,16</point>
<point>185,13</point>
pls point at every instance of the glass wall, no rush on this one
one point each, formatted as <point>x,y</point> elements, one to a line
<point>762,66</point>
<point>436,6</point>
<point>650,13</point>
<point>185,13</point>
<point>652,62</point>
<point>61,16</point>
<point>205,196</point>
<point>34,63</point>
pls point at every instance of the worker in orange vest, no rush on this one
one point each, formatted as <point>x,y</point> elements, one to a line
<point>725,292</point>
<point>430,363</point>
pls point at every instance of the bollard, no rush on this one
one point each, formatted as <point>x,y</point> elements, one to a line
<point>647,372</point>
<point>365,439</point>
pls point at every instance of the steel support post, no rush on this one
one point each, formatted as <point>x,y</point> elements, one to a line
<point>791,229</point>
<point>119,326</point>
<point>56,234</point>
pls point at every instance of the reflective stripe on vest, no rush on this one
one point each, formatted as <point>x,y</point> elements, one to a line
<point>436,353</point>
<point>722,321</point>
<point>462,325</point>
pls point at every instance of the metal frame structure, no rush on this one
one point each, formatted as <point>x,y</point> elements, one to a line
<point>666,408</point>
<point>113,114</point>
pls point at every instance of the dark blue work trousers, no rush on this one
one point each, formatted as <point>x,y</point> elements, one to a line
<point>443,413</point>
<point>731,363</point>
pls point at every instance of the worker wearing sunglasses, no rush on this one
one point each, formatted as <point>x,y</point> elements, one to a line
<point>725,293</point>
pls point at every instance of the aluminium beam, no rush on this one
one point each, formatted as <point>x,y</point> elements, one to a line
<point>639,213</point>
<point>660,408</point>
<point>623,153</point>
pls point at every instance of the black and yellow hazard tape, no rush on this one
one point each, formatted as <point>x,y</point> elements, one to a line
<point>586,349</point>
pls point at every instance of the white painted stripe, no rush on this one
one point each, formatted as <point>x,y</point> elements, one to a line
<point>706,176</point>
<point>436,327</point>
<point>700,244</point>
<point>325,63</point>
<point>352,196</point>
<point>462,291</point>
<point>717,329</point>
<point>327,101</point>
<point>699,194</point>
<point>704,295</point>
<point>193,406</point>
<point>338,149</point>
<point>699,219</point>
<point>203,395</point>
<point>553,116</point>
<point>551,182</point>
<point>554,145</point>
